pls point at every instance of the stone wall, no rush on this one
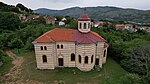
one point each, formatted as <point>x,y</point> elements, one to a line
<point>65,53</point>
<point>85,50</point>
<point>49,53</point>
<point>100,52</point>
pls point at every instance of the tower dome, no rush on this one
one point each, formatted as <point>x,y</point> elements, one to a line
<point>84,23</point>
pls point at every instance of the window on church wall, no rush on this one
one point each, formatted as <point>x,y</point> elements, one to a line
<point>84,25</point>
<point>62,46</point>
<point>41,47</point>
<point>44,57</point>
<point>104,53</point>
<point>72,57</point>
<point>45,48</point>
<point>86,60</point>
<point>79,58</point>
<point>57,46</point>
<point>92,58</point>
<point>80,26</point>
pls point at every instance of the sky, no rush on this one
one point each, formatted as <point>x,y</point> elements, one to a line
<point>62,4</point>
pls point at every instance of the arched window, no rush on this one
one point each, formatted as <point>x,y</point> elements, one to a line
<point>61,46</point>
<point>104,53</point>
<point>92,58</point>
<point>72,57</point>
<point>79,58</point>
<point>84,25</point>
<point>45,48</point>
<point>89,25</point>
<point>44,57</point>
<point>86,60</point>
<point>57,46</point>
<point>41,47</point>
<point>80,25</point>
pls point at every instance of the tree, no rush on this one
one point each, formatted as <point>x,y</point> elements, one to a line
<point>28,44</point>
<point>16,43</point>
<point>9,22</point>
<point>8,8</point>
<point>22,7</point>
<point>40,20</point>
<point>138,60</point>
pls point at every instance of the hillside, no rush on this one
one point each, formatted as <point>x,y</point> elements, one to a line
<point>106,13</point>
<point>19,8</point>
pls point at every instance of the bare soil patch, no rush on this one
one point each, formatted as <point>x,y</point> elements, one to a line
<point>14,75</point>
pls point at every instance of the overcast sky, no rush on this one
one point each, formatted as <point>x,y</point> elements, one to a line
<point>62,4</point>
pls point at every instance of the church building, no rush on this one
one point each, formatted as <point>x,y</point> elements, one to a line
<point>79,48</point>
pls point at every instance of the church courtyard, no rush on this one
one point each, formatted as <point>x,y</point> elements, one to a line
<point>28,73</point>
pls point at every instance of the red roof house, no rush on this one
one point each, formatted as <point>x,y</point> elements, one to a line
<point>62,47</point>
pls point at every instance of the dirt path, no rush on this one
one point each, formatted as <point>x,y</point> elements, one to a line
<point>14,75</point>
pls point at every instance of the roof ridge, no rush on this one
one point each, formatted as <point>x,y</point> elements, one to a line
<point>98,35</point>
<point>50,38</point>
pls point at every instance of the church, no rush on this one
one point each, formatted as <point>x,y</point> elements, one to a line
<point>79,48</point>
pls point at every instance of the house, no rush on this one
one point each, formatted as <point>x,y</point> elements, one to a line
<point>61,23</point>
<point>128,26</point>
<point>63,19</point>
<point>96,24</point>
<point>79,48</point>
<point>101,24</point>
<point>124,26</point>
<point>147,29</point>
<point>50,19</point>
<point>32,17</point>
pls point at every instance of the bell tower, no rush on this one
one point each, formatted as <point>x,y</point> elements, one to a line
<point>84,23</point>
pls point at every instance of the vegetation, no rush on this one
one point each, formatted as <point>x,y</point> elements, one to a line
<point>138,60</point>
<point>8,8</point>
<point>130,50</point>
<point>6,63</point>
<point>9,21</point>
<point>23,8</point>
<point>19,8</point>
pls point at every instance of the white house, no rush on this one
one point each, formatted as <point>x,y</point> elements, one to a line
<point>61,23</point>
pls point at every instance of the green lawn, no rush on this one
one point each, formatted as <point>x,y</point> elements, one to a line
<point>110,73</point>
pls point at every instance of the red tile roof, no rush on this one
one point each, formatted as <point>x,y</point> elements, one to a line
<point>69,35</point>
<point>84,17</point>
<point>119,25</point>
<point>123,25</point>
<point>128,25</point>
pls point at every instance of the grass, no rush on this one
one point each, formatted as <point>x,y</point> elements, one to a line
<point>109,74</point>
<point>6,66</point>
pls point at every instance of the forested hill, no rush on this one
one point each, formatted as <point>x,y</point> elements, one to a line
<point>110,13</point>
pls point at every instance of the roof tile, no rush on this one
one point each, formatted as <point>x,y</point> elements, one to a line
<point>70,35</point>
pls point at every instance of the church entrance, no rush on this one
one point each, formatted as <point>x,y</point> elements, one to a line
<point>97,61</point>
<point>60,62</point>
